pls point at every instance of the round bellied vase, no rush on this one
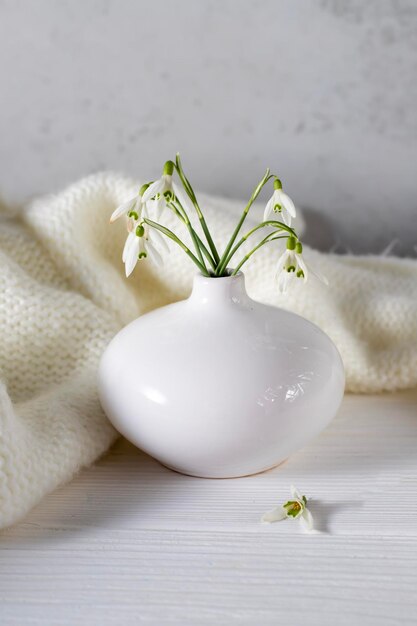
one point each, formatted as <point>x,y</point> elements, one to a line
<point>219,385</point>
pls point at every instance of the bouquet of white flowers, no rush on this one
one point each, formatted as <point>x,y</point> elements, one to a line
<point>146,238</point>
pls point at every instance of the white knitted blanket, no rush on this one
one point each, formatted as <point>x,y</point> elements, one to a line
<point>63,295</point>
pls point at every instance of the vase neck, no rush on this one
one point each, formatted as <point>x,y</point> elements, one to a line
<point>213,291</point>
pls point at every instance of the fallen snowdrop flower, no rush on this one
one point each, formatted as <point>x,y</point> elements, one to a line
<point>295,508</point>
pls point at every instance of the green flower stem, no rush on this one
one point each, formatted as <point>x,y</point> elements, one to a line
<point>191,195</point>
<point>185,219</point>
<point>206,252</point>
<point>222,263</point>
<point>193,235</point>
<point>278,225</point>
<point>267,239</point>
<point>181,213</point>
<point>168,233</point>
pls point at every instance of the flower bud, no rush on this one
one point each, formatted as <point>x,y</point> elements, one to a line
<point>291,243</point>
<point>168,168</point>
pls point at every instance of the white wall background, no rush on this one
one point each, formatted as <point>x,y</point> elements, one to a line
<point>322,91</point>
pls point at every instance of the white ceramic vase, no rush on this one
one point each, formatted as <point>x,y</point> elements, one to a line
<point>219,385</point>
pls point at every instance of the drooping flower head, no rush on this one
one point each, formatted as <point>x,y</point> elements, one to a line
<point>296,508</point>
<point>280,204</point>
<point>291,266</point>
<point>161,191</point>
<point>133,207</point>
<point>142,242</point>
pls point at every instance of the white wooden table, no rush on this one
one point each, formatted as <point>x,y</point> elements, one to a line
<point>130,542</point>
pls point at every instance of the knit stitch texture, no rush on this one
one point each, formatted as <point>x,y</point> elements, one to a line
<point>63,296</point>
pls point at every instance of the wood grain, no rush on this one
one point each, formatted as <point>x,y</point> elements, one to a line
<point>130,542</point>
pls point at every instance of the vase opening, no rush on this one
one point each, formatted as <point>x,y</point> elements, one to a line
<point>228,273</point>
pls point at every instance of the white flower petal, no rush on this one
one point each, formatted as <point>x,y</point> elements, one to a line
<point>142,247</point>
<point>302,265</point>
<point>286,217</point>
<point>126,246</point>
<point>295,494</point>
<point>160,206</point>
<point>284,280</point>
<point>183,198</point>
<point>281,281</point>
<point>276,515</point>
<point>156,237</point>
<point>131,225</point>
<point>288,204</point>
<point>154,255</point>
<point>146,208</point>
<point>168,184</point>
<point>283,260</point>
<point>306,520</point>
<point>132,256</point>
<point>288,280</point>
<point>138,206</point>
<point>269,208</point>
<point>153,189</point>
<point>122,209</point>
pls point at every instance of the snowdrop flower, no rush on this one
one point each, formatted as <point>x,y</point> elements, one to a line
<point>142,242</point>
<point>131,208</point>
<point>280,203</point>
<point>291,265</point>
<point>162,190</point>
<point>295,508</point>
